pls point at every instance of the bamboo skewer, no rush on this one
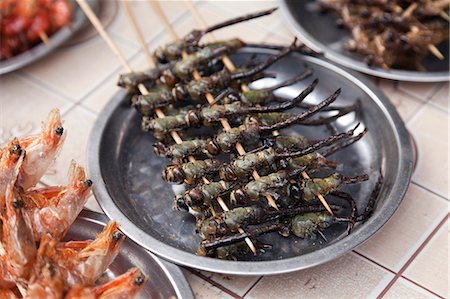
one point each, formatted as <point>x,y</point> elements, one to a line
<point>229,64</point>
<point>44,37</point>
<point>139,35</point>
<point>98,26</point>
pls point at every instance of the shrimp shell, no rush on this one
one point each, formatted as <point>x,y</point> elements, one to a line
<point>42,150</point>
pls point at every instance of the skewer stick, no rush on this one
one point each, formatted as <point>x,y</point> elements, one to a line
<point>99,27</point>
<point>138,32</point>
<point>444,15</point>
<point>435,51</point>
<point>229,64</point>
<point>432,48</point>
<point>44,37</point>
<point>157,8</point>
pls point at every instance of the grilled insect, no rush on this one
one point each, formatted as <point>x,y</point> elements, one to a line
<point>305,225</point>
<point>228,222</point>
<point>197,89</point>
<point>209,114</point>
<point>247,134</point>
<point>242,166</point>
<point>202,195</point>
<point>182,70</point>
<point>190,172</point>
<point>309,187</point>
<point>173,50</point>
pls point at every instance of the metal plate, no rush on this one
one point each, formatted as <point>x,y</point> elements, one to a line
<point>165,280</point>
<point>129,187</point>
<point>58,38</point>
<point>319,32</point>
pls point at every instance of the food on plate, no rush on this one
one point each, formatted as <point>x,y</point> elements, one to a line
<point>26,23</point>
<point>393,34</point>
<point>35,261</point>
<point>209,120</point>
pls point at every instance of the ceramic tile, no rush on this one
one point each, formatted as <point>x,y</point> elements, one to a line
<point>203,289</point>
<point>387,86</point>
<point>77,123</point>
<point>97,99</point>
<point>407,290</point>
<point>441,98</point>
<point>283,32</point>
<point>421,91</point>
<point>148,21</point>
<point>430,268</point>
<point>411,224</point>
<point>350,276</point>
<point>237,284</point>
<point>92,205</point>
<point>430,130</point>
<point>23,106</point>
<point>75,70</point>
<point>407,106</point>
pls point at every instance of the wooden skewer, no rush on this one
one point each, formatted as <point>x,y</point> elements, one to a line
<point>99,27</point>
<point>444,15</point>
<point>44,37</point>
<point>229,64</point>
<point>138,32</point>
<point>432,48</point>
<point>435,51</point>
<point>408,12</point>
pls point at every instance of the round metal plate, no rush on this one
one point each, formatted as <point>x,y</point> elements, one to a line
<point>41,49</point>
<point>129,187</point>
<point>165,280</point>
<point>320,33</point>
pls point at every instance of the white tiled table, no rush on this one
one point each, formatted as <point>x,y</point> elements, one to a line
<point>408,258</point>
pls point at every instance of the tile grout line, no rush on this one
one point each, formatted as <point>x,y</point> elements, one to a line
<point>253,286</point>
<point>374,262</point>
<point>418,184</point>
<point>215,284</point>
<point>393,272</point>
<point>415,254</point>
<point>421,286</point>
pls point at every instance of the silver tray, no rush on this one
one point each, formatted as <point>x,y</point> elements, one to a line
<point>54,41</point>
<point>165,280</point>
<point>320,33</point>
<point>129,187</point>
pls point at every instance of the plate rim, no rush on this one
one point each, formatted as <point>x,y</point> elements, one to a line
<point>57,39</point>
<point>357,65</point>
<point>173,272</point>
<point>308,260</point>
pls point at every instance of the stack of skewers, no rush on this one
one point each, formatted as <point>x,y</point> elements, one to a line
<point>216,171</point>
<point>389,34</point>
<point>35,261</point>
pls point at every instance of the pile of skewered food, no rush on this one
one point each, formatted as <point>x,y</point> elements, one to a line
<point>25,23</point>
<point>393,34</point>
<point>229,191</point>
<point>35,261</point>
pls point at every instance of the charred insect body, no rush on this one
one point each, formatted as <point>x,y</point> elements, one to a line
<point>209,114</point>
<point>190,42</point>
<point>196,89</point>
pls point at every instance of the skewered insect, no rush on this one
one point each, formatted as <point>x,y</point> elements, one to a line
<point>189,43</point>
<point>197,89</point>
<point>210,114</point>
<point>309,187</point>
<point>224,142</point>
